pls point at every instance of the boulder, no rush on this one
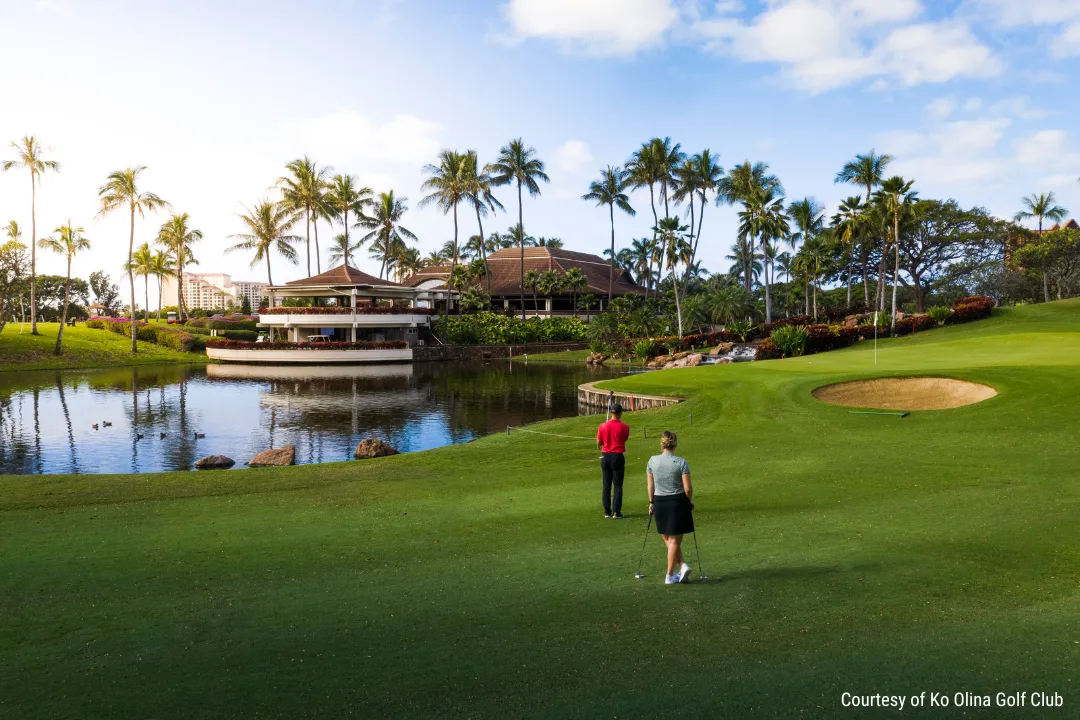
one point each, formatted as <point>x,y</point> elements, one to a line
<point>596,359</point>
<point>662,360</point>
<point>285,455</point>
<point>214,462</point>
<point>693,360</point>
<point>724,361</point>
<point>373,448</point>
<point>722,349</point>
<point>679,355</point>
<point>851,321</point>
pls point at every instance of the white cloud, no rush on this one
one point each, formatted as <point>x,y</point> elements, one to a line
<point>941,108</point>
<point>403,139</point>
<point>573,157</point>
<point>1068,43</point>
<point>956,152</point>
<point>599,27</point>
<point>1013,13</point>
<point>1020,107</point>
<point>973,105</point>
<point>824,44</point>
<point>1046,148</point>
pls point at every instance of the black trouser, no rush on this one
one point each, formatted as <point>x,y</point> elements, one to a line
<point>613,465</point>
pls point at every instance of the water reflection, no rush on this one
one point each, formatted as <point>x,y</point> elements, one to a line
<point>152,418</point>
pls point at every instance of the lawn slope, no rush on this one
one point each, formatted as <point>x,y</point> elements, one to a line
<point>83,348</point>
<point>847,553</point>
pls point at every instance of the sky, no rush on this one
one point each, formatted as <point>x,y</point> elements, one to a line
<point>976,99</point>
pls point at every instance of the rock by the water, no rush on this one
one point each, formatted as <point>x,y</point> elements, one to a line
<point>693,360</point>
<point>722,349</point>
<point>724,361</point>
<point>851,321</point>
<point>596,359</point>
<point>373,448</point>
<point>214,462</point>
<point>679,355</point>
<point>285,455</point>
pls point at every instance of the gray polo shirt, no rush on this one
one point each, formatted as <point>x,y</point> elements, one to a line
<point>667,470</point>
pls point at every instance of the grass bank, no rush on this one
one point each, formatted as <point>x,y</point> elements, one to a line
<point>849,553</point>
<point>83,348</point>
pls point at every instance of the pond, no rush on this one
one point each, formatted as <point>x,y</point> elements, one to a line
<point>47,418</point>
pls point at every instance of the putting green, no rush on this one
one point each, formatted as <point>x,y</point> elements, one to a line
<point>848,553</point>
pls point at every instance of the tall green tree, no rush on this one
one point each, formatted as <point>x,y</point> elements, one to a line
<point>177,236</point>
<point>518,164</point>
<point>66,241</point>
<point>30,154</point>
<point>575,281</point>
<point>868,171</point>
<point>142,265</point>
<point>763,216</point>
<point>386,230</point>
<point>161,266</point>
<point>268,224</point>
<point>697,176</point>
<point>344,195</point>
<point>848,223</point>
<point>122,189</point>
<point>482,198</point>
<point>448,185</point>
<point>531,280</point>
<point>610,189</point>
<point>672,237</point>
<point>896,197</point>
<point>748,183</point>
<point>1041,206</point>
<point>303,190</point>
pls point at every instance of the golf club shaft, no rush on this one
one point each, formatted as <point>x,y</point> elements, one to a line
<point>644,540</point>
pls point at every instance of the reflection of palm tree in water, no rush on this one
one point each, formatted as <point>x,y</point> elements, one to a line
<point>67,419</point>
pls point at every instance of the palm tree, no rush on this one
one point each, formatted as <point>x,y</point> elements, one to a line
<point>550,283</point>
<point>896,197</point>
<point>809,218</point>
<point>698,175</point>
<point>764,216</point>
<point>610,189</point>
<point>386,228</point>
<point>479,184</point>
<point>575,281</point>
<point>268,224</point>
<point>743,261</point>
<point>448,184</point>
<point>517,163</point>
<point>161,265</point>
<point>435,257</point>
<point>641,254</point>
<point>409,262</point>
<point>865,170</point>
<point>68,241</point>
<point>341,250</point>
<point>645,170</point>
<point>531,279</point>
<point>1041,206</point>
<point>177,236</point>
<point>30,155</point>
<point>746,183</point>
<point>140,265</point>
<point>672,238</point>
<point>848,222</point>
<point>304,191</point>
<point>122,188</point>
<point>344,196</point>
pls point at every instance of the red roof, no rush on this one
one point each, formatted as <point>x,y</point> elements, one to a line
<point>343,275</point>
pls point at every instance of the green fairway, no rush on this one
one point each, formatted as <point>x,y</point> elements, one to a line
<point>847,553</point>
<point>82,348</point>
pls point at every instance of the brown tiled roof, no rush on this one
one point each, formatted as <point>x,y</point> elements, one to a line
<point>505,268</point>
<point>343,275</point>
<point>1068,225</point>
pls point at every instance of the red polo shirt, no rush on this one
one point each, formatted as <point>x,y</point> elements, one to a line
<point>612,435</point>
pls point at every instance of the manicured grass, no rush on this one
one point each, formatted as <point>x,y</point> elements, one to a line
<point>82,348</point>
<point>847,553</point>
<point>567,356</point>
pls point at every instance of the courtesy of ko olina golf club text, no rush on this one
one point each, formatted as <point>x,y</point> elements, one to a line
<point>963,699</point>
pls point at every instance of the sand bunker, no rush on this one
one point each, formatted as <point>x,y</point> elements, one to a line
<point>910,393</point>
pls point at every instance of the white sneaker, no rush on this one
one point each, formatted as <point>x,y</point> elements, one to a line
<point>671,580</point>
<point>684,573</point>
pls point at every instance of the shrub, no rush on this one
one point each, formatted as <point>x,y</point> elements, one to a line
<point>790,340</point>
<point>884,319</point>
<point>174,338</point>
<point>794,320</point>
<point>767,350</point>
<point>939,314</point>
<point>464,334</point>
<point>96,324</point>
<point>645,349</point>
<point>971,308</point>
<point>915,323</point>
<point>743,329</point>
<point>488,328</point>
<point>245,335</point>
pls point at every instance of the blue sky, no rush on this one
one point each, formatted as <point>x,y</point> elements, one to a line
<point>975,98</point>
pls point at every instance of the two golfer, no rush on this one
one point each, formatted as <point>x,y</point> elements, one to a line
<point>670,502</point>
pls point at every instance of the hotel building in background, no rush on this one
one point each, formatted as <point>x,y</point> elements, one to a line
<point>212,291</point>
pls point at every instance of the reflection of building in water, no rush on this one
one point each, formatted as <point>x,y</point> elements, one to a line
<point>307,372</point>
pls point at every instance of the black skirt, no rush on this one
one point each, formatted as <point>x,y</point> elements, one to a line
<point>673,514</point>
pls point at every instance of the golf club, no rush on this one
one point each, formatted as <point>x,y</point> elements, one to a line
<point>645,540</point>
<point>701,576</point>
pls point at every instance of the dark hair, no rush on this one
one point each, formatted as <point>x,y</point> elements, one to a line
<point>616,409</point>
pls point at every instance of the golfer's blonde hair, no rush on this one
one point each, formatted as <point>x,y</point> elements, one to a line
<point>669,440</point>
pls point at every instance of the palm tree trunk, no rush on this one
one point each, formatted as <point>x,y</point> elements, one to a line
<point>765,275</point>
<point>849,285</point>
<point>806,296</point>
<point>656,221</point>
<point>63,316</point>
<point>318,255</point>
<point>483,251</point>
<point>450,278</point>
<point>611,274</point>
<point>159,297</point>
<point>896,267</point>
<point>146,297</point>
<point>33,255</point>
<point>307,232</point>
<point>678,305</point>
<point>131,282</point>
<point>697,237</point>
<point>1046,287</point>
<point>686,277</point>
<point>521,243</point>
<point>269,279</point>
<point>181,306</point>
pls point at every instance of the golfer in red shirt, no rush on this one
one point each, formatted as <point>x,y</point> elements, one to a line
<point>611,441</point>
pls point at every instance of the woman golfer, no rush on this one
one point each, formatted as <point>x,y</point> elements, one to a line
<point>670,495</point>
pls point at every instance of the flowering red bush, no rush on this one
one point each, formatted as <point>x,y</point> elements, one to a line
<point>360,310</point>
<point>973,307</point>
<point>793,320</point>
<point>916,323</point>
<point>767,350</point>
<point>366,345</point>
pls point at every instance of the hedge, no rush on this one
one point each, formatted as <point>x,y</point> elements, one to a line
<point>245,335</point>
<point>973,307</point>
<point>488,328</point>
<point>364,345</point>
<point>336,310</point>
<point>234,322</point>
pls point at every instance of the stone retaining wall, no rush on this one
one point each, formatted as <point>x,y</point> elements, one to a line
<point>593,398</point>
<point>425,353</point>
